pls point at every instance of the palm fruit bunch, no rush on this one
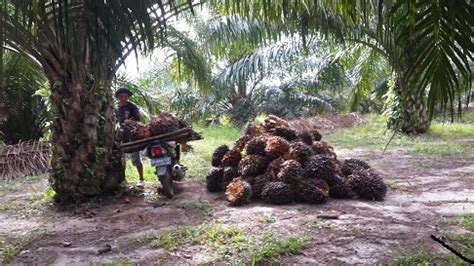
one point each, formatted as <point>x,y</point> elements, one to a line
<point>350,165</point>
<point>285,132</point>
<point>278,164</point>
<point>273,168</point>
<point>238,192</point>
<point>229,174</point>
<point>320,166</point>
<point>300,152</point>
<point>231,158</point>
<point>163,123</point>
<point>131,130</point>
<point>276,147</point>
<point>322,147</point>
<point>313,190</point>
<point>218,154</point>
<point>273,121</point>
<point>254,129</point>
<point>241,142</point>
<point>253,165</point>
<point>291,172</point>
<point>367,184</point>
<point>339,188</point>
<point>310,135</point>
<point>214,180</point>
<point>256,146</point>
<point>277,193</point>
<point>259,182</point>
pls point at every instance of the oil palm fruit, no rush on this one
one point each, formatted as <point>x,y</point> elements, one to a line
<point>238,192</point>
<point>214,180</point>
<point>276,147</point>
<point>320,166</point>
<point>256,146</point>
<point>218,154</point>
<point>313,190</point>
<point>277,193</point>
<point>350,165</point>
<point>322,147</point>
<point>253,165</point>
<point>367,184</point>
<point>291,172</point>
<point>300,152</point>
<point>229,174</point>
<point>285,132</point>
<point>231,158</point>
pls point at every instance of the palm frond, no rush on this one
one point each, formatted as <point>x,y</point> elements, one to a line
<point>190,62</point>
<point>25,117</point>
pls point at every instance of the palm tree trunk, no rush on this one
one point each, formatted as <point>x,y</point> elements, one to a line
<point>411,115</point>
<point>86,161</point>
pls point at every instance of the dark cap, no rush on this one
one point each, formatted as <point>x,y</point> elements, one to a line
<point>123,90</point>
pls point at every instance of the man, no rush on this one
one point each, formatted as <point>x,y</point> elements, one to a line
<point>128,110</point>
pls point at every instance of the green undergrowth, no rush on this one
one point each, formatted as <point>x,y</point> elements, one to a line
<point>14,185</point>
<point>462,242</point>
<point>198,161</point>
<point>441,139</point>
<point>228,243</point>
<point>204,207</point>
<point>9,249</point>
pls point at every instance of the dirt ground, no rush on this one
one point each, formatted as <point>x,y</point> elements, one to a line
<point>424,193</point>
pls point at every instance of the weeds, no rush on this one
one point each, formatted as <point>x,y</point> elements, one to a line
<point>316,223</point>
<point>267,218</point>
<point>202,206</point>
<point>225,240</point>
<point>9,250</point>
<point>463,243</point>
<point>273,246</point>
<point>13,185</point>
<point>198,160</point>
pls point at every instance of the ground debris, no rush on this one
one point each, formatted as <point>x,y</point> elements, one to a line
<point>105,249</point>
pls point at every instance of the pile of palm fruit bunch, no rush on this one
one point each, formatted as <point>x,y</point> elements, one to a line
<point>275,163</point>
<point>161,124</point>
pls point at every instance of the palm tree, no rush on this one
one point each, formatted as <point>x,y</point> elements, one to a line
<point>79,45</point>
<point>26,114</point>
<point>288,78</point>
<point>427,43</point>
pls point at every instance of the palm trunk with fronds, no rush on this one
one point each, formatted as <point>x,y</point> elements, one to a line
<point>410,114</point>
<point>86,161</point>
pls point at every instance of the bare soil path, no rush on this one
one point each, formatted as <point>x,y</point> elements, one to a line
<point>424,193</point>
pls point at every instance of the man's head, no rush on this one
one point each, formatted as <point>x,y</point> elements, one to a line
<point>122,96</point>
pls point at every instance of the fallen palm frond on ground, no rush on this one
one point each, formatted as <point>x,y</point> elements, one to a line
<point>24,159</point>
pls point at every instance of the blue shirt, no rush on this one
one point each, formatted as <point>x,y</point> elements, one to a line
<point>128,111</point>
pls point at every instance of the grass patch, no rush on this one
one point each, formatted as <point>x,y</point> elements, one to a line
<point>229,243</point>
<point>267,218</point>
<point>273,246</point>
<point>9,250</point>
<point>202,206</point>
<point>15,184</point>
<point>467,222</point>
<point>463,243</point>
<point>198,161</point>
<point>316,223</point>
<point>441,138</point>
